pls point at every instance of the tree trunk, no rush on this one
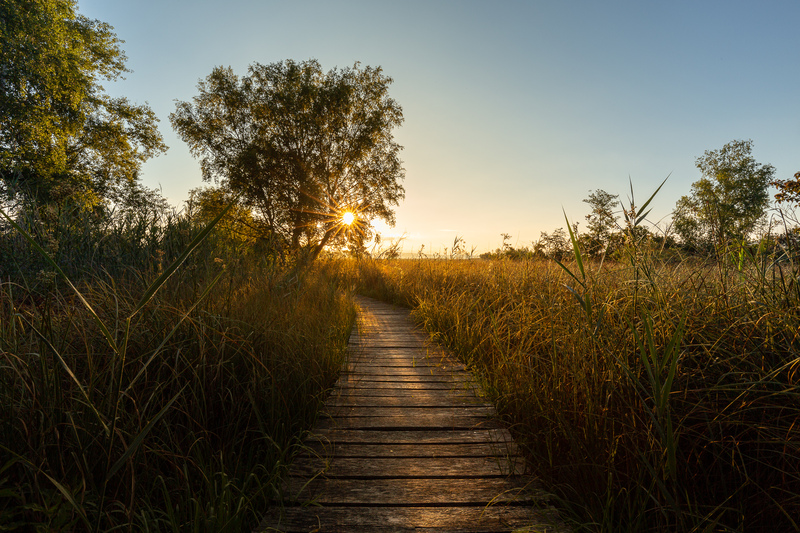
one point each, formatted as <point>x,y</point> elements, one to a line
<point>321,244</point>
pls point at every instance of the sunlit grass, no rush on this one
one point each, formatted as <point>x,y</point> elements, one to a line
<point>650,395</point>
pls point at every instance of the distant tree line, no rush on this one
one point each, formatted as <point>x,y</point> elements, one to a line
<point>727,207</point>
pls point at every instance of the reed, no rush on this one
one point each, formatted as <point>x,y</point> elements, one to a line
<point>651,394</point>
<point>154,376</point>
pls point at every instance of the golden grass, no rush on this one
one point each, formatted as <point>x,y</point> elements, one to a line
<point>650,396</point>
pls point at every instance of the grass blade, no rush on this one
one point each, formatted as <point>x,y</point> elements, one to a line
<point>137,441</point>
<point>640,218</point>
<point>159,282</point>
<point>575,248</point>
<point>51,262</point>
<point>172,332</point>
<point>69,372</point>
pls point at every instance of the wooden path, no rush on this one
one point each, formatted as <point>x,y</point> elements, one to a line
<point>406,444</point>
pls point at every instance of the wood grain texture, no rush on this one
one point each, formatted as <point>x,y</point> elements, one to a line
<point>407,443</point>
<point>379,467</point>
<point>445,449</point>
<point>478,519</point>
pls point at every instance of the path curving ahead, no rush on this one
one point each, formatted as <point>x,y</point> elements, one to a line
<point>406,444</point>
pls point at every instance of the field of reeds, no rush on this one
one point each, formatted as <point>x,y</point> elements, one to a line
<point>155,371</point>
<point>650,393</point>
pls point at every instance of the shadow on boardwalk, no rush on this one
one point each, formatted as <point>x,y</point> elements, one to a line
<point>407,444</point>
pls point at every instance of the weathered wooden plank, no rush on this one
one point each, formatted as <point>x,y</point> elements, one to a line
<point>409,383</point>
<point>421,377</point>
<point>400,359</point>
<point>411,352</point>
<point>402,370</point>
<point>478,519</point>
<point>402,401</point>
<point>355,411</point>
<point>421,467</point>
<point>399,362</point>
<point>368,384</point>
<point>392,344</point>
<point>441,450</point>
<point>435,395</point>
<point>348,378</point>
<point>406,385</point>
<point>405,373</point>
<point>420,519</point>
<point>407,444</point>
<point>379,436</point>
<point>412,492</point>
<point>436,420</point>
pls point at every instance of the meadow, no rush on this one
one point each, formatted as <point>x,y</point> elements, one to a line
<point>650,392</point>
<point>158,371</point>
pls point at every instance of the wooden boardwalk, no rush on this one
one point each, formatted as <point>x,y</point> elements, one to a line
<point>406,444</point>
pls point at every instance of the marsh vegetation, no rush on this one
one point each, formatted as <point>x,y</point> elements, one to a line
<point>155,372</point>
<point>651,393</point>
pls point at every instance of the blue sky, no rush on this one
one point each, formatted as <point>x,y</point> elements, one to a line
<point>513,110</point>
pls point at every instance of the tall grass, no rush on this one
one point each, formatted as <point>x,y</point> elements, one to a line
<point>650,394</point>
<point>148,390</point>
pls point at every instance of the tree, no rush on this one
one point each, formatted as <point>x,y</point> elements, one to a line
<point>61,137</point>
<point>204,204</point>
<point>555,245</point>
<point>602,220</point>
<point>302,146</point>
<point>726,204</point>
<point>788,190</point>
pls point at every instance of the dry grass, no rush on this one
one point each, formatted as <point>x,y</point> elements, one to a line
<point>650,395</point>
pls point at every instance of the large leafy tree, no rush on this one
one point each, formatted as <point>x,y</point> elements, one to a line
<point>300,145</point>
<point>62,138</point>
<point>727,203</point>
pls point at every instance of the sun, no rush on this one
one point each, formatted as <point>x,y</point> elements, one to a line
<point>348,218</point>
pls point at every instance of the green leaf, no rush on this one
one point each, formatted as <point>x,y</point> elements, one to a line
<point>64,492</point>
<point>575,248</point>
<point>644,206</point>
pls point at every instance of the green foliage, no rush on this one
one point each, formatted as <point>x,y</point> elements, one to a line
<point>554,244</point>
<point>788,190</point>
<point>601,220</point>
<point>239,226</point>
<point>61,137</point>
<point>302,146</point>
<point>727,203</point>
<point>138,236</point>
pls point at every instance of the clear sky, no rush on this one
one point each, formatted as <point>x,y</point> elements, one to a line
<point>514,110</point>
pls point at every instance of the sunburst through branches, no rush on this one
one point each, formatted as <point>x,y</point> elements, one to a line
<point>342,222</point>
